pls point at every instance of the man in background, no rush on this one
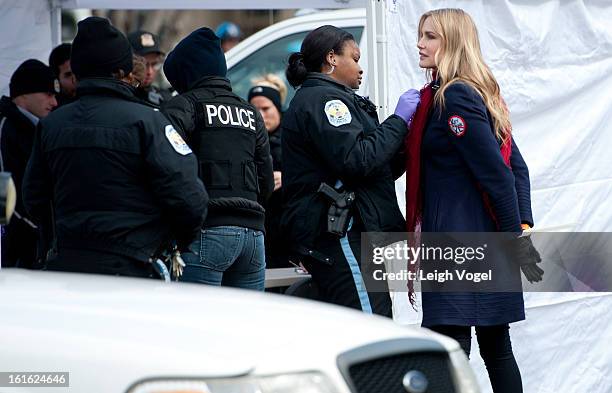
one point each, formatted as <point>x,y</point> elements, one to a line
<point>230,35</point>
<point>32,96</point>
<point>59,61</point>
<point>146,44</point>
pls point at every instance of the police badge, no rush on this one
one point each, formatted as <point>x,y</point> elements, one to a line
<point>337,113</point>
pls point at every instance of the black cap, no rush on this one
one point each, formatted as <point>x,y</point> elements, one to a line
<point>197,56</point>
<point>33,76</point>
<point>99,49</point>
<point>144,42</point>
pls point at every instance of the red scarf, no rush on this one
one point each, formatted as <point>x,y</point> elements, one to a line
<point>413,159</point>
<point>414,202</point>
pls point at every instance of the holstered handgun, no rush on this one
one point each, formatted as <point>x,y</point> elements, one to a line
<point>338,214</point>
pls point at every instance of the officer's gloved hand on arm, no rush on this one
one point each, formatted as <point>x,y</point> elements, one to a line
<point>526,255</point>
<point>407,104</point>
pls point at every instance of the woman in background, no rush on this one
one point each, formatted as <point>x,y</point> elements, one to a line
<point>268,96</point>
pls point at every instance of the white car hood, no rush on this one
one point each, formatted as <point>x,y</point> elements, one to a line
<point>88,324</point>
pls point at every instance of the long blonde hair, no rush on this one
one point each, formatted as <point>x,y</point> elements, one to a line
<point>459,58</point>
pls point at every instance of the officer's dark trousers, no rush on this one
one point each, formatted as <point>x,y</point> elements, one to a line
<point>495,350</point>
<point>19,245</point>
<point>341,282</point>
<point>88,261</point>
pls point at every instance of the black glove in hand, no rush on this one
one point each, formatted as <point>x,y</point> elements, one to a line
<point>532,272</point>
<point>527,256</point>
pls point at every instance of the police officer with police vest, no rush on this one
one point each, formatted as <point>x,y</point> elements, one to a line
<point>230,140</point>
<point>122,181</point>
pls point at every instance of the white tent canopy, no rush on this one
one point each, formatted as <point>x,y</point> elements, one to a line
<point>35,25</point>
<point>207,4</point>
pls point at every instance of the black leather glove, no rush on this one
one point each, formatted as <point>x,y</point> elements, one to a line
<point>526,255</point>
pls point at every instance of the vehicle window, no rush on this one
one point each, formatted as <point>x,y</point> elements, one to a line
<point>272,58</point>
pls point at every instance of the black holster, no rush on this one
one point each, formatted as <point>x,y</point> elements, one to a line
<point>338,214</point>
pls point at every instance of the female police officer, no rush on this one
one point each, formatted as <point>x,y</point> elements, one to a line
<point>473,179</point>
<point>332,136</point>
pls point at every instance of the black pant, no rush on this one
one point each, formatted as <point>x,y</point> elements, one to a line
<point>336,281</point>
<point>495,350</point>
<point>19,245</point>
<point>96,262</point>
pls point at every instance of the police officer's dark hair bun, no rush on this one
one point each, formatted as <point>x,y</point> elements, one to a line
<point>296,70</point>
<point>311,58</point>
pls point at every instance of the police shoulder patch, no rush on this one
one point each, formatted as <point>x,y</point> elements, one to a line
<point>337,113</point>
<point>457,125</point>
<point>176,141</point>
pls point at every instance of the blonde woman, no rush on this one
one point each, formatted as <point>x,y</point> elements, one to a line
<point>268,96</point>
<point>466,174</point>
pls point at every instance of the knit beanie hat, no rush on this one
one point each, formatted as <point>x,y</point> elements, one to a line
<point>269,92</point>
<point>99,49</point>
<point>33,76</point>
<point>198,55</point>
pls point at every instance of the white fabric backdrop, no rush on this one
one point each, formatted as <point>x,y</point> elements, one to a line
<point>553,61</point>
<point>25,28</point>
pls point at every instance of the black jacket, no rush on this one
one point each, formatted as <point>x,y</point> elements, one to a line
<point>152,95</point>
<point>16,139</point>
<point>331,134</point>
<point>230,140</point>
<point>275,149</point>
<point>120,177</point>
<point>276,247</point>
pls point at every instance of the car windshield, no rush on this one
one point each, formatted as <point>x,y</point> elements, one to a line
<point>272,59</point>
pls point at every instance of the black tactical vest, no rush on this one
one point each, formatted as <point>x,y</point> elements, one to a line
<point>224,142</point>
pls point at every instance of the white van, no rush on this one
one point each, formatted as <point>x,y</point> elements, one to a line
<point>267,51</point>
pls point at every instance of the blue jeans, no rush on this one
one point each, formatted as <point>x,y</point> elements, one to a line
<point>227,255</point>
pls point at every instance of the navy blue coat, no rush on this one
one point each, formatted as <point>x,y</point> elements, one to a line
<point>460,159</point>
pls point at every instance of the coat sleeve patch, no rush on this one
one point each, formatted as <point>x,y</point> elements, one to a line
<point>337,113</point>
<point>457,125</point>
<point>176,141</point>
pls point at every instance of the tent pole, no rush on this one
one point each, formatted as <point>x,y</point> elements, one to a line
<point>377,55</point>
<point>56,22</point>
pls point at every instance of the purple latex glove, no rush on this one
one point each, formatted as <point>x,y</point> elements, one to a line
<point>407,104</point>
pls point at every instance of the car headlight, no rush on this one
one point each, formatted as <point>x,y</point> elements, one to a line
<point>287,383</point>
<point>464,377</point>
